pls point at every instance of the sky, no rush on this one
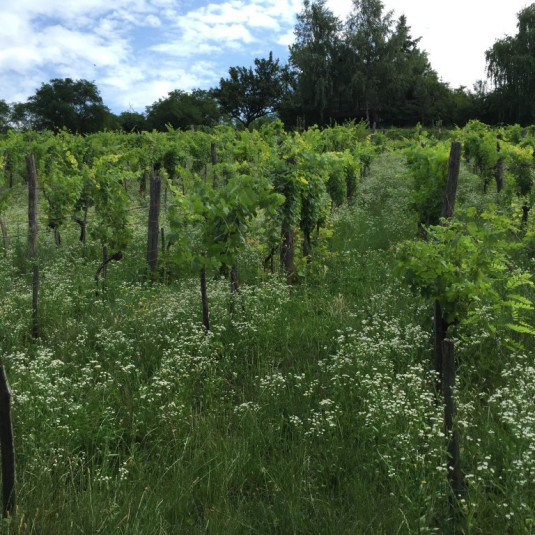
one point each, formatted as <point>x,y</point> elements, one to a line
<point>137,51</point>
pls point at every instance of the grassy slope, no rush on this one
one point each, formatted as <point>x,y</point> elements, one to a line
<point>309,411</point>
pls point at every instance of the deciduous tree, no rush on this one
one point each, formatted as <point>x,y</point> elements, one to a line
<point>247,94</point>
<point>511,67</point>
<point>181,110</point>
<point>132,121</point>
<point>66,103</point>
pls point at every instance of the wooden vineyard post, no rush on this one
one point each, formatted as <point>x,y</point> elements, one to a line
<point>7,447</point>
<point>32,240</point>
<point>440,328</point>
<point>162,241</point>
<point>154,221</point>
<point>104,263</point>
<point>213,153</point>
<point>2,223</point>
<point>202,278</point>
<point>204,298</point>
<point>234,282</point>
<point>83,222</point>
<point>498,170</point>
<point>287,253</point>
<point>448,384</point>
<point>287,247</point>
<point>234,286</point>
<point>440,325</point>
<point>32,205</point>
<point>35,302</point>
<point>5,240</point>
<point>454,166</point>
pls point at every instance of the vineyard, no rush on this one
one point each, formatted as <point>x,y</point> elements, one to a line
<point>228,331</point>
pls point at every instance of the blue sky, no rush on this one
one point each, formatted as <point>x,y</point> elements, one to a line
<point>136,51</point>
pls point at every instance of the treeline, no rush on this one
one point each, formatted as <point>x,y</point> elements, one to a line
<point>366,67</point>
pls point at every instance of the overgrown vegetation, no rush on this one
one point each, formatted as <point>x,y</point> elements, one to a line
<point>311,408</point>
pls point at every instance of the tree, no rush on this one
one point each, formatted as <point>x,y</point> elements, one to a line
<point>480,102</point>
<point>132,121</point>
<point>367,67</point>
<point>250,94</point>
<point>315,56</point>
<point>20,116</point>
<point>409,88</point>
<point>72,104</point>
<point>511,67</point>
<point>368,34</point>
<point>5,113</point>
<point>181,110</point>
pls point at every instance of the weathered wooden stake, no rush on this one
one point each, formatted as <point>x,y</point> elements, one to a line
<point>7,447</point>
<point>104,265</point>
<point>213,152</point>
<point>454,165</point>
<point>234,287</point>
<point>270,260</point>
<point>448,384</point>
<point>440,325</point>
<point>57,237</point>
<point>287,254</point>
<point>204,298</point>
<point>287,246</point>
<point>154,221</point>
<point>499,175</point>
<point>307,244</point>
<point>32,205</point>
<point>440,328</point>
<point>2,223</point>
<point>5,240</point>
<point>234,283</point>
<point>35,302</point>
<point>83,222</point>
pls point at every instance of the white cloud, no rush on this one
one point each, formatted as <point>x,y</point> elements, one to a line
<point>286,39</point>
<point>153,21</point>
<point>235,12</point>
<point>146,92</point>
<point>192,36</point>
<point>13,27</point>
<point>19,59</point>
<point>283,10</point>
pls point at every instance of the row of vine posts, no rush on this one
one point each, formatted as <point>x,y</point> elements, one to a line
<point>443,352</point>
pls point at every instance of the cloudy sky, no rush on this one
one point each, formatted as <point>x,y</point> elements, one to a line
<point>136,51</point>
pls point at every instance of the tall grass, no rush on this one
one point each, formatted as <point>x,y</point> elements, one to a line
<point>309,410</point>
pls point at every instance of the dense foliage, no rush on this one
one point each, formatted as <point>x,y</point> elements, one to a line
<point>181,110</point>
<point>306,407</point>
<point>65,103</point>
<point>511,67</point>
<point>247,94</point>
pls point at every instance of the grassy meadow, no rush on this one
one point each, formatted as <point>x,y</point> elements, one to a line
<point>309,410</point>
